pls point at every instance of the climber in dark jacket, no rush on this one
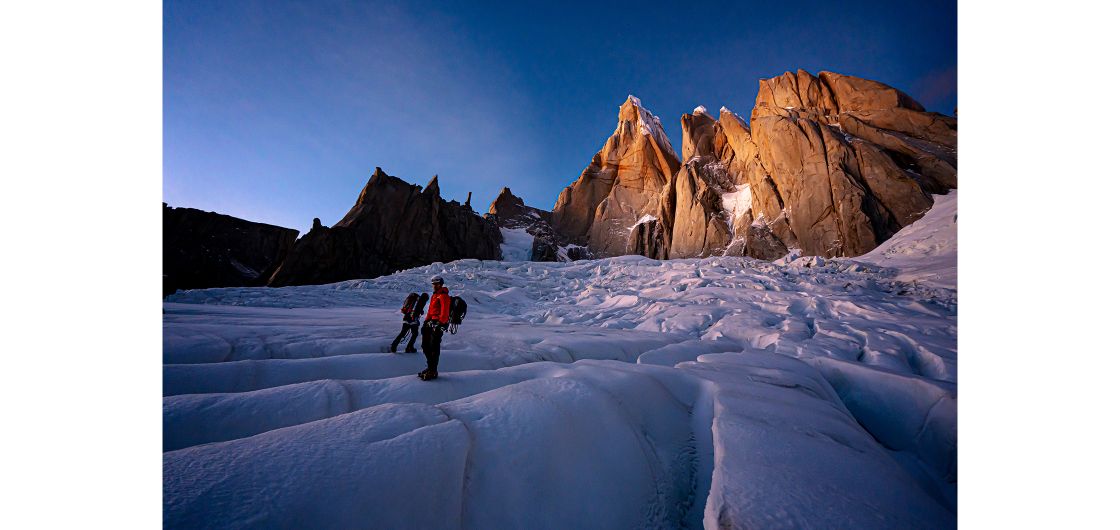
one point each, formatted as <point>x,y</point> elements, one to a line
<point>412,313</point>
<point>439,316</point>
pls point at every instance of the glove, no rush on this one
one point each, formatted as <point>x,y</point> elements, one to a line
<point>443,326</point>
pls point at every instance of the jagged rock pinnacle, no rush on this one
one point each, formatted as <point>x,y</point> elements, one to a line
<point>433,185</point>
<point>650,161</point>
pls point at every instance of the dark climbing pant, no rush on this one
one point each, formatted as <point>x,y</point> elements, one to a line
<point>431,336</point>
<point>414,327</point>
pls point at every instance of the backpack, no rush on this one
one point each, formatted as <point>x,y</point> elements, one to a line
<point>457,313</point>
<point>414,305</point>
<point>418,311</point>
<point>409,303</point>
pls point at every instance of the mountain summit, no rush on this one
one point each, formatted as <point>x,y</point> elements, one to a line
<point>828,165</point>
<point>832,165</point>
<point>393,225</point>
<point>620,186</point>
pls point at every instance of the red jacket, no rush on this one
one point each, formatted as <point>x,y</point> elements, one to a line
<point>440,307</point>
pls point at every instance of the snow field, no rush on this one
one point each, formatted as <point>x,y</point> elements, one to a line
<point>925,251</point>
<point>195,419</point>
<point>516,456</point>
<point>788,455</point>
<point>905,414</point>
<point>497,342</point>
<point>625,392</point>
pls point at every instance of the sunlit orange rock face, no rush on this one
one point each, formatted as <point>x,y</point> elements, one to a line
<point>831,164</point>
<point>620,186</point>
<point>852,160</point>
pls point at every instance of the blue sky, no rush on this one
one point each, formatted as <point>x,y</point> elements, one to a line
<point>278,112</point>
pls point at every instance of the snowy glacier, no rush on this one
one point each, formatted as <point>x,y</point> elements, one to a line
<point>615,393</point>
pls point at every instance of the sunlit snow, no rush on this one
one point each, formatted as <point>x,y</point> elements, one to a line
<point>650,125</point>
<point>645,219</point>
<point>737,203</point>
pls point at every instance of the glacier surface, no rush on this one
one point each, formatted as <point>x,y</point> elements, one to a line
<point>615,393</point>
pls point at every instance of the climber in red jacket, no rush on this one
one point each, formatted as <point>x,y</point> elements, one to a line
<point>439,316</point>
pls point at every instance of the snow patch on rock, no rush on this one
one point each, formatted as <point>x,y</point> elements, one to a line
<point>645,219</point>
<point>650,125</point>
<point>736,203</point>
<point>517,244</point>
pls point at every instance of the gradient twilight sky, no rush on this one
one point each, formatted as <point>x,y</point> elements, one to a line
<point>278,112</point>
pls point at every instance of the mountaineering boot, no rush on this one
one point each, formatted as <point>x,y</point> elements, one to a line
<point>428,375</point>
<point>407,350</point>
<point>423,373</point>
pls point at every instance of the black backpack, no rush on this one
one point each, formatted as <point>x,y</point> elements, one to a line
<point>457,313</point>
<point>409,303</point>
<point>413,306</point>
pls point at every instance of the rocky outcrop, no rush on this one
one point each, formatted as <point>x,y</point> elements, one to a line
<point>648,239</point>
<point>758,202</point>
<point>207,249</point>
<point>393,226</point>
<point>706,206</point>
<point>510,212</point>
<point>621,185</point>
<point>830,164</point>
<point>755,239</point>
<point>852,160</point>
<point>695,219</point>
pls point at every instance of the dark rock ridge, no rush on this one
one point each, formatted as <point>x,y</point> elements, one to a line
<point>207,249</point>
<point>393,226</point>
<point>830,164</point>
<point>509,211</point>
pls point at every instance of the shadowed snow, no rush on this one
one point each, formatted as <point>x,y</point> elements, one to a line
<point>624,392</point>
